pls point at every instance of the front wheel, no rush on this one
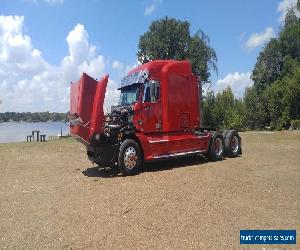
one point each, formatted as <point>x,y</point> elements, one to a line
<point>130,157</point>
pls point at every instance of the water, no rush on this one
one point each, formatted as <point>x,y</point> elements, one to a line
<point>18,131</point>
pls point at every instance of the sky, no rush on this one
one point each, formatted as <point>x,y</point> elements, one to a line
<point>46,44</point>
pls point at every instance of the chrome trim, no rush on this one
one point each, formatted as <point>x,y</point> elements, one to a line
<point>202,136</point>
<point>130,158</point>
<point>234,148</point>
<point>179,154</point>
<point>159,141</point>
<point>113,126</point>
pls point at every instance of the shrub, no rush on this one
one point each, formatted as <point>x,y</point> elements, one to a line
<point>295,124</point>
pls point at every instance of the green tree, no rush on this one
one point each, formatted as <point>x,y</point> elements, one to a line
<point>202,57</point>
<point>236,117</point>
<point>44,116</point>
<point>35,117</point>
<point>284,97</point>
<point>289,40</point>
<point>271,59</point>
<point>233,110</point>
<point>268,66</point>
<point>223,111</point>
<point>169,38</point>
<point>274,94</point>
<point>256,110</point>
<point>250,101</point>
<point>223,107</point>
<point>292,92</point>
<point>274,98</point>
<point>56,117</point>
<point>208,105</point>
<point>290,18</point>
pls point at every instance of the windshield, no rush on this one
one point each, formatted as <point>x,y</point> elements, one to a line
<point>129,95</point>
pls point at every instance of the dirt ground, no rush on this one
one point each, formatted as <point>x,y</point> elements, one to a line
<point>52,197</point>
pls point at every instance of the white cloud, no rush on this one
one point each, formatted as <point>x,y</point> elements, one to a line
<point>284,6</point>
<point>117,65</point>
<point>16,50</point>
<point>258,39</point>
<point>238,82</point>
<point>82,56</point>
<point>112,94</point>
<point>151,7</point>
<point>30,83</point>
<point>123,69</point>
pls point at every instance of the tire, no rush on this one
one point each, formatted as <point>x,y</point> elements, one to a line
<point>233,144</point>
<point>216,147</point>
<point>224,133</point>
<point>130,157</point>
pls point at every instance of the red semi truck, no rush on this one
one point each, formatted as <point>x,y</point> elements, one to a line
<point>157,117</point>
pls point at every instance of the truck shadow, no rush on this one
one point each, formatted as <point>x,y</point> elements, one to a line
<point>154,166</point>
<point>169,164</point>
<point>97,171</point>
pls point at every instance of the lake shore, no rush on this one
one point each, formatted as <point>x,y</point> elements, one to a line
<point>18,131</point>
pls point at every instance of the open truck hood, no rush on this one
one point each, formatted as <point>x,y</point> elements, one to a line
<point>86,111</point>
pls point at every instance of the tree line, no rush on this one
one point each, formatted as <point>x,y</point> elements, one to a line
<point>33,116</point>
<point>273,101</point>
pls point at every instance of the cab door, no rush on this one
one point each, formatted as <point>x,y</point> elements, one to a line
<point>151,108</point>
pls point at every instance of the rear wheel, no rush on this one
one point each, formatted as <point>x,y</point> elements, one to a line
<point>216,148</point>
<point>130,157</point>
<point>233,143</point>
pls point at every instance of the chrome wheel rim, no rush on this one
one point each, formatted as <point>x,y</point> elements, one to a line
<point>218,146</point>
<point>234,144</point>
<point>130,158</point>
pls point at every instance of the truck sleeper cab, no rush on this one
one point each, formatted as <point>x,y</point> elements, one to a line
<point>158,116</point>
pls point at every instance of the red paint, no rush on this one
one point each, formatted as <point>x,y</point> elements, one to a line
<point>97,118</point>
<point>87,97</point>
<point>178,107</point>
<point>157,144</point>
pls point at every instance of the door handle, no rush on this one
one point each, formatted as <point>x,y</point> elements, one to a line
<point>147,108</point>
